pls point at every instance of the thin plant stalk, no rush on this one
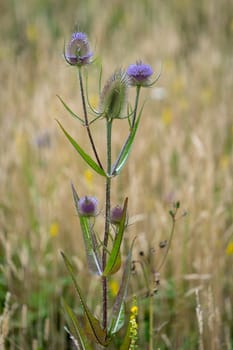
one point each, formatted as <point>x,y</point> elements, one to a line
<point>86,118</point>
<point>136,106</point>
<point>107,218</point>
<point>151,323</point>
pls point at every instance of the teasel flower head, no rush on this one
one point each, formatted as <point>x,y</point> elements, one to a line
<point>139,74</point>
<point>77,51</point>
<point>116,215</point>
<point>87,206</point>
<point>114,95</point>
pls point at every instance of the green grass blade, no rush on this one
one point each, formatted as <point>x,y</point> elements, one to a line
<point>116,317</point>
<point>78,332</point>
<point>70,110</point>
<point>97,332</point>
<point>82,153</point>
<point>90,241</point>
<point>113,259</point>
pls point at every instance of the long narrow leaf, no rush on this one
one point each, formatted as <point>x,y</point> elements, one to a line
<point>82,153</point>
<point>116,317</point>
<point>89,238</point>
<point>113,259</point>
<point>98,333</point>
<point>125,151</point>
<point>78,331</point>
<point>70,110</point>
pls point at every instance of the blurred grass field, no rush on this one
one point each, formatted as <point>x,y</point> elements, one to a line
<point>184,151</point>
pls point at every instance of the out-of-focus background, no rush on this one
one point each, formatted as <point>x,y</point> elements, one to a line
<point>183,151</point>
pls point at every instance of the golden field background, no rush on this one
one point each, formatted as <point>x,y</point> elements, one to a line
<point>183,151</point>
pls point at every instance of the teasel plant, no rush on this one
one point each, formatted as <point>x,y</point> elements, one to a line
<point>103,252</point>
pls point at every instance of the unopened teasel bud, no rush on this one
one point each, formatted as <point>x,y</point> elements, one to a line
<point>116,215</point>
<point>114,95</point>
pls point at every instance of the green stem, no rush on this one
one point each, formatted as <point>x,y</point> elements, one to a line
<point>136,106</point>
<point>86,118</point>
<point>151,322</point>
<point>107,219</point>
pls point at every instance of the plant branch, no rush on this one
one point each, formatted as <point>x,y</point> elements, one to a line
<point>86,124</point>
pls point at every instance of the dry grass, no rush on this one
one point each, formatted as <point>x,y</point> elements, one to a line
<point>184,151</point>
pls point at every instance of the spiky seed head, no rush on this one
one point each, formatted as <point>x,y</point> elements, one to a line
<point>77,51</point>
<point>114,95</point>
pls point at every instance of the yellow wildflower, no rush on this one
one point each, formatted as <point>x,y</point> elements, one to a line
<point>54,229</point>
<point>224,161</point>
<point>134,310</point>
<point>229,248</point>
<point>167,116</point>
<point>114,287</point>
<point>88,176</point>
<point>133,326</point>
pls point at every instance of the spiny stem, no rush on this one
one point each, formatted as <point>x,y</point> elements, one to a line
<point>136,106</point>
<point>86,118</point>
<point>107,219</point>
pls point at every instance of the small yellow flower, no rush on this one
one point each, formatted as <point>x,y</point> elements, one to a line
<point>114,287</point>
<point>134,310</point>
<point>54,229</point>
<point>224,161</point>
<point>229,248</point>
<point>88,175</point>
<point>133,326</point>
<point>167,116</point>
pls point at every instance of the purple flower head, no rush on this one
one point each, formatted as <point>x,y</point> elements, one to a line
<point>116,215</point>
<point>139,74</point>
<point>87,206</point>
<point>77,51</point>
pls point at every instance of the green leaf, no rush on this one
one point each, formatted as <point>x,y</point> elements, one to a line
<point>70,111</point>
<point>99,335</point>
<point>77,329</point>
<point>113,260</point>
<point>90,241</point>
<point>125,151</point>
<point>116,319</point>
<point>82,153</point>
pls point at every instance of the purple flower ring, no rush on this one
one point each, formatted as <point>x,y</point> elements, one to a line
<point>87,206</point>
<point>139,74</point>
<point>77,51</point>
